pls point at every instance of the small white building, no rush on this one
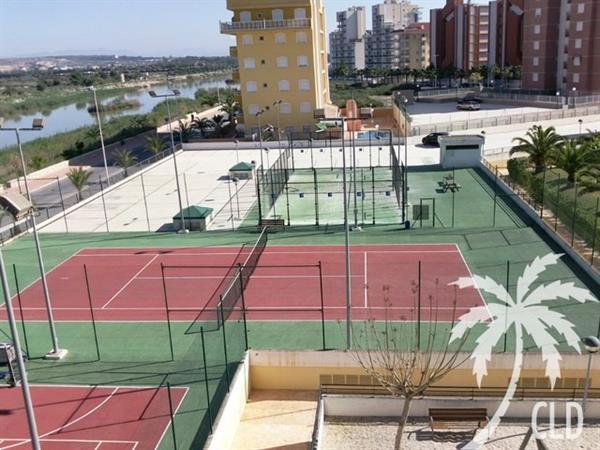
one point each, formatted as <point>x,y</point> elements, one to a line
<point>461,151</point>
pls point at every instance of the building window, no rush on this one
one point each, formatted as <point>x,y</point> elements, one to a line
<point>286,108</point>
<point>537,29</point>
<point>251,86</point>
<point>538,12</point>
<point>245,16</point>
<point>536,45</point>
<point>280,38</point>
<point>253,109</point>
<point>282,61</point>
<point>575,78</point>
<point>301,37</point>
<point>284,85</point>
<point>249,63</point>
<point>302,61</point>
<point>304,85</point>
<point>581,8</point>
<point>247,39</point>
<point>299,13</point>
<point>535,77</point>
<point>536,60</point>
<point>579,26</point>
<point>306,107</point>
<point>277,14</point>
<point>578,43</point>
<point>577,60</point>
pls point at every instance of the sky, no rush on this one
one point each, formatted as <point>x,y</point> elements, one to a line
<point>132,27</point>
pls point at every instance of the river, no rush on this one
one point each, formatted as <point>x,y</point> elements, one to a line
<point>70,117</point>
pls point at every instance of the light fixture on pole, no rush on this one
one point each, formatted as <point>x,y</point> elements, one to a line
<point>99,120</point>
<point>33,432</point>
<point>342,120</point>
<point>56,352</point>
<point>580,121</point>
<point>166,96</point>
<point>592,345</point>
<point>237,197</point>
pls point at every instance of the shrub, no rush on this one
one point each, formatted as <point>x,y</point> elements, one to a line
<point>518,169</point>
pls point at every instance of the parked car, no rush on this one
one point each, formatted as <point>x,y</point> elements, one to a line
<point>432,138</point>
<point>468,106</point>
<point>470,98</point>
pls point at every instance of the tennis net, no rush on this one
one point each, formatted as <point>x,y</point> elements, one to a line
<point>234,291</point>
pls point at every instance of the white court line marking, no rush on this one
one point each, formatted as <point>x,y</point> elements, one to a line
<point>130,281</point>
<point>471,275</point>
<point>253,277</point>
<point>267,252</point>
<point>366,282</point>
<point>99,405</point>
<point>183,308</point>
<point>169,421</point>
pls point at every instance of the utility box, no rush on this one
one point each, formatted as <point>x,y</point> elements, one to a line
<point>458,152</point>
<point>196,218</point>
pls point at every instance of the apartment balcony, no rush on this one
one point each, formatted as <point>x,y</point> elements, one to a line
<point>233,52</point>
<point>257,25</point>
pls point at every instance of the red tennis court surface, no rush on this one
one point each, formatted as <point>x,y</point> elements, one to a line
<point>88,418</point>
<point>127,284</point>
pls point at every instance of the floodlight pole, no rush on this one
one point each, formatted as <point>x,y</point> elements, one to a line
<point>56,352</point>
<point>174,93</point>
<point>346,245</point>
<point>33,431</point>
<point>93,89</point>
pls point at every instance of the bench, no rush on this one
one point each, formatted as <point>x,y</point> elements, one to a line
<point>272,224</point>
<point>446,418</point>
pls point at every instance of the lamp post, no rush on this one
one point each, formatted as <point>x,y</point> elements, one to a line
<point>99,120</point>
<point>277,104</point>
<point>230,202</point>
<point>346,237</point>
<point>312,161</point>
<point>33,432</point>
<point>237,150</point>
<point>574,90</point>
<point>166,96</point>
<point>355,227</point>
<point>56,352</point>
<point>237,197</point>
<point>592,345</point>
<point>580,125</point>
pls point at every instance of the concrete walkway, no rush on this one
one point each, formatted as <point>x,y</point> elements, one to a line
<point>277,420</point>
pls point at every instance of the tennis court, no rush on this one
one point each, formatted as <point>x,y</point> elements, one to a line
<point>90,417</point>
<point>288,283</point>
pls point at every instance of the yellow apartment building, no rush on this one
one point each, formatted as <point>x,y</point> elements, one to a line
<point>282,55</point>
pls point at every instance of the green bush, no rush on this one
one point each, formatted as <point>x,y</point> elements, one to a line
<point>518,169</point>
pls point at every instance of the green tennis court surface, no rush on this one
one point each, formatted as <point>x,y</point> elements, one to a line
<point>140,354</point>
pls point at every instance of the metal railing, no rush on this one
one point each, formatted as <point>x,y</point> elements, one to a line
<point>232,27</point>
<point>445,92</point>
<point>487,122</point>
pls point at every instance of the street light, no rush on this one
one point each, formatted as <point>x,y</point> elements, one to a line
<point>580,125</point>
<point>592,345</point>
<point>56,352</point>
<point>166,96</point>
<point>33,432</point>
<point>237,197</point>
<point>99,120</point>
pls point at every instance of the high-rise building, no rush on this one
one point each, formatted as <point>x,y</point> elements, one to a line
<point>460,35</point>
<point>397,39</point>
<point>506,33</point>
<point>347,43</point>
<point>561,45</point>
<point>282,56</point>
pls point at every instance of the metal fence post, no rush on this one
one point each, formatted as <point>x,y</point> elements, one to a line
<point>145,202</point>
<point>103,203</point>
<point>210,418</point>
<point>18,289</point>
<point>574,216</point>
<point>595,230</point>
<point>62,202</point>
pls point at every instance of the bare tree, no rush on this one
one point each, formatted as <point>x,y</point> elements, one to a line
<point>407,357</point>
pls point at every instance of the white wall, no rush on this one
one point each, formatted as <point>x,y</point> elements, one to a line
<point>363,406</point>
<point>230,414</point>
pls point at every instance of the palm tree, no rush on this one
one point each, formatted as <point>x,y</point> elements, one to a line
<point>125,159</point>
<point>525,313</point>
<point>79,178</point>
<point>185,130</point>
<point>230,106</point>
<point>590,179</point>
<point>573,157</point>
<point>215,127</point>
<point>155,145</point>
<point>539,144</point>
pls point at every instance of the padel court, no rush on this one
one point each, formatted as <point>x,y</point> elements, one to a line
<point>89,417</point>
<point>287,283</point>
